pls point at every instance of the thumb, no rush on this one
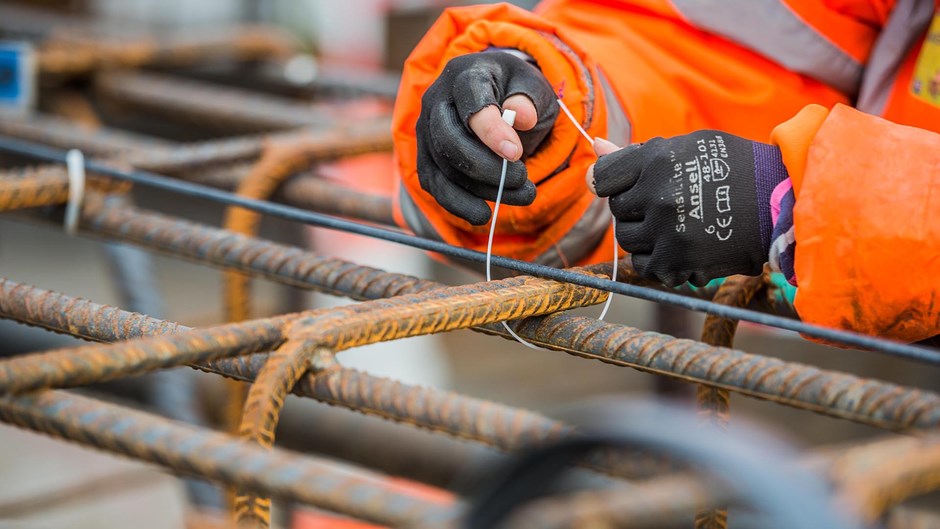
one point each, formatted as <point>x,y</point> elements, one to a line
<point>602,147</point>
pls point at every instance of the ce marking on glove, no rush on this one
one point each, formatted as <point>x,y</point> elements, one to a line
<point>709,167</point>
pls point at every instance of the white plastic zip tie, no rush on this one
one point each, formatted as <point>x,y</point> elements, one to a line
<point>509,116</point>
<point>75,162</point>
<point>564,108</point>
<point>613,220</point>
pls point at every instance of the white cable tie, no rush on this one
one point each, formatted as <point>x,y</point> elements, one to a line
<point>613,220</point>
<point>75,162</point>
<point>564,108</point>
<point>509,116</point>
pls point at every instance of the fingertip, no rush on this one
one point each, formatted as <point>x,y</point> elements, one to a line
<point>526,113</point>
<point>589,179</point>
<point>602,147</point>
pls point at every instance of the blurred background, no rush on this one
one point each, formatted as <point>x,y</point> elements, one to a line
<point>325,49</point>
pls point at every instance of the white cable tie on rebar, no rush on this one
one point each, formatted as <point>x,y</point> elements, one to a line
<point>509,116</point>
<point>613,220</point>
<point>75,162</point>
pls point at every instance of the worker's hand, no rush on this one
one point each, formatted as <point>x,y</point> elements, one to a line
<point>462,138</point>
<point>688,208</point>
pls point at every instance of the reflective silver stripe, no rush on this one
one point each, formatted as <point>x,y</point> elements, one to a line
<point>583,237</point>
<point>907,24</point>
<point>619,129</point>
<point>769,28</point>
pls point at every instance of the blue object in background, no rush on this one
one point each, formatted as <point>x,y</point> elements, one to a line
<point>16,75</point>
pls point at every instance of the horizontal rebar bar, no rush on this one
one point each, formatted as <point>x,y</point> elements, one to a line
<point>223,108</point>
<point>190,450</point>
<point>504,428</point>
<point>833,393</point>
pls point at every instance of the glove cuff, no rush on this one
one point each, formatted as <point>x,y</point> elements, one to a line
<point>769,171</point>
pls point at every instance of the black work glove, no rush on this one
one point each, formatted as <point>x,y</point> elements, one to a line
<point>454,166</point>
<point>694,207</point>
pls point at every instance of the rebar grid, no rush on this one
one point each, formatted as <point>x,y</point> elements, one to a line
<point>294,353</point>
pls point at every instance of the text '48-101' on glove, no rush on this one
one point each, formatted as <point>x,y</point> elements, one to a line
<point>454,165</point>
<point>694,207</point>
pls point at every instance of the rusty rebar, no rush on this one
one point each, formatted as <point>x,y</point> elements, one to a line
<point>435,311</point>
<point>207,105</point>
<point>194,451</point>
<point>28,187</point>
<point>801,386</point>
<point>714,404</point>
<point>666,501</point>
<point>874,477</point>
<point>80,51</point>
<point>278,162</point>
<point>307,190</point>
<point>832,393</point>
<point>78,366</point>
<point>59,132</point>
<point>488,423</point>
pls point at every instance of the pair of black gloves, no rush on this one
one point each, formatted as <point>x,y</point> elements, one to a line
<point>687,208</point>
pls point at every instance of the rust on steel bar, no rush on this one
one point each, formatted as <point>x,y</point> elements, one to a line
<point>404,316</point>
<point>306,190</point>
<point>80,51</point>
<point>153,154</point>
<point>885,405</point>
<point>867,401</point>
<point>714,404</point>
<point>504,428</point>
<point>277,163</point>
<point>904,518</point>
<point>59,132</point>
<point>277,262</point>
<point>206,104</point>
<point>874,477</point>
<point>28,187</point>
<point>195,451</point>
<point>98,363</point>
<point>665,501</point>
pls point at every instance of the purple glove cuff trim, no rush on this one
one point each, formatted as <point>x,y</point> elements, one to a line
<point>769,171</point>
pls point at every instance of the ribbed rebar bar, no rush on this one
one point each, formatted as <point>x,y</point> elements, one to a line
<point>278,162</point>
<point>29,187</point>
<point>714,404</point>
<point>59,132</point>
<point>190,450</point>
<point>485,422</point>
<point>874,477</point>
<point>208,105</point>
<point>666,501</point>
<point>435,311</point>
<point>306,190</point>
<point>81,51</point>
<point>98,363</point>
<point>832,393</point>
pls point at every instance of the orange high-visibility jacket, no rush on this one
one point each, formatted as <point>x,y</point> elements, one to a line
<point>867,219</point>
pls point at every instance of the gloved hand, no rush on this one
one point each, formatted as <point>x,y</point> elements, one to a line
<point>694,207</point>
<point>460,131</point>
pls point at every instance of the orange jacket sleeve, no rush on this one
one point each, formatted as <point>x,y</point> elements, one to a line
<point>629,71</point>
<point>866,222</point>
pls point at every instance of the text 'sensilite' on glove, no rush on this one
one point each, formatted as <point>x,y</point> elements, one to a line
<point>454,166</point>
<point>694,207</point>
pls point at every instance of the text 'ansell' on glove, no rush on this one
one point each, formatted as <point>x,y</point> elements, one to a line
<point>694,207</point>
<point>454,165</point>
